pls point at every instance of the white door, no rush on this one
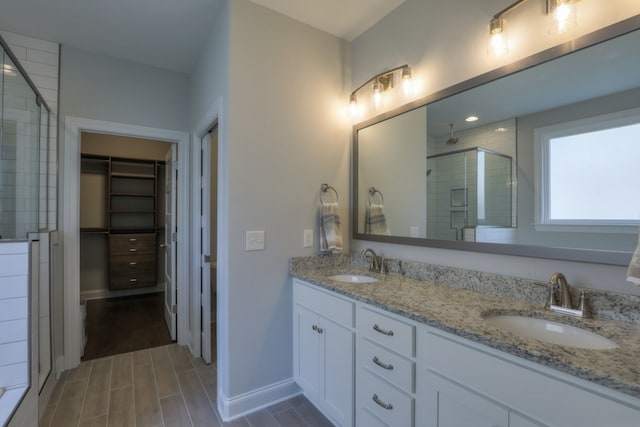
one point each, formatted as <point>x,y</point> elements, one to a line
<point>170,248</point>
<point>205,248</point>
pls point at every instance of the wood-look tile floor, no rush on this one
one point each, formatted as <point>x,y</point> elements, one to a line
<point>162,386</point>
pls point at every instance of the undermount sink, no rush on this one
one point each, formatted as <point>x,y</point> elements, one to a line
<point>353,278</point>
<point>551,332</point>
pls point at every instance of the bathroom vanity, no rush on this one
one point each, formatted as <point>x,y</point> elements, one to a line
<point>407,352</point>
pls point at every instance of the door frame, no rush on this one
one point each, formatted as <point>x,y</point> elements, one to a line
<point>212,115</point>
<point>74,126</point>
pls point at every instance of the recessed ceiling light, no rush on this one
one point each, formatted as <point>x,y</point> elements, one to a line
<point>471,119</point>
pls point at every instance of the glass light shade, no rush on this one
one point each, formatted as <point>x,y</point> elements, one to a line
<point>377,95</point>
<point>498,42</point>
<point>563,18</point>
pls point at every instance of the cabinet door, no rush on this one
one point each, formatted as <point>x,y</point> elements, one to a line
<point>307,354</point>
<point>452,405</point>
<point>338,371</point>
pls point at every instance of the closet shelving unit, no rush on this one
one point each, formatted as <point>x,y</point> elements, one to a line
<point>122,203</point>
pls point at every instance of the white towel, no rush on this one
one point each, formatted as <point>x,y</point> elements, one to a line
<point>330,232</point>
<point>633,272</point>
<point>375,222</point>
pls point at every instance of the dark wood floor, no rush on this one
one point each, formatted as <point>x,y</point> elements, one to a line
<point>125,324</point>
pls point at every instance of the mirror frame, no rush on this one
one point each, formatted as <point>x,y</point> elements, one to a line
<point>569,254</point>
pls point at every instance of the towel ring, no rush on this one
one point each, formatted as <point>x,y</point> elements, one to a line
<point>372,195</point>
<point>323,189</point>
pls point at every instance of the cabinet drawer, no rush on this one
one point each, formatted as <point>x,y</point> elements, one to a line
<point>384,400</point>
<point>123,280</point>
<point>337,309</point>
<point>132,243</point>
<point>396,369</point>
<point>364,418</point>
<point>133,263</point>
<point>384,330</point>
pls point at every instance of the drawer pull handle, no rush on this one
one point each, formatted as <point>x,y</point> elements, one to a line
<point>133,240</point>
<point>133,250</point>
<point>387,406</point>
<point>382,331</point>
<point>133,263</point>
<point>377,361</point>
<point>133,280</point>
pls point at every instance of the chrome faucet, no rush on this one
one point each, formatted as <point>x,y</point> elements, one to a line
<point>374,260</point>
<point>560,297</point>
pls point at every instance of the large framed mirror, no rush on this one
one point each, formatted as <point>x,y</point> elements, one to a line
<point>549,168</point>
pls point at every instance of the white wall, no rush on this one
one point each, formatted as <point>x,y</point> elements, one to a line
<point>446,42</point>
<point>284,132</point>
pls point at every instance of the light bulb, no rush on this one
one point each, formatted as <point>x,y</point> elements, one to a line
<point>353,106</point>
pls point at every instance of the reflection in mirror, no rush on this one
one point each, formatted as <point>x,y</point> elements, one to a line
<point>479,185</point>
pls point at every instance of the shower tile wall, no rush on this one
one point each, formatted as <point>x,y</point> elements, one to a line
<point>40,60</point>
<point>445,176</point>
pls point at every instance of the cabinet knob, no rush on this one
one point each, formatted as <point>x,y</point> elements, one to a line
<point>320,330</point>
<point>314,327</point>
<point>377,361</point>
<point>387,406</point>
<point>382,331</point>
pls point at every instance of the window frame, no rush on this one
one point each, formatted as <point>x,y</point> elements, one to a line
<point>542,139</point>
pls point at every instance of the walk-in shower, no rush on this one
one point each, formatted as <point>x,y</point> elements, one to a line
<point>467,189</point>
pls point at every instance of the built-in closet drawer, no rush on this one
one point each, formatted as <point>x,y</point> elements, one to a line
<point>386,331</point>
<point>132,261</point>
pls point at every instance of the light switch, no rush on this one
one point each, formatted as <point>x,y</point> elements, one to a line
<point>255,241</point>
<point>307,240</point>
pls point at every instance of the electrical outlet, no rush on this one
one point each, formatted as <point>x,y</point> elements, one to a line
<point>307,241</point>
<point>255,241</point>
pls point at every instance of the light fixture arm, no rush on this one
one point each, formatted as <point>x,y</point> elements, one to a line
<point>384,78</point>
<point>508,9</point>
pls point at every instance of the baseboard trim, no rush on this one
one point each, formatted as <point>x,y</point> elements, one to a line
<point>234,407</point>
<point>106,293</point>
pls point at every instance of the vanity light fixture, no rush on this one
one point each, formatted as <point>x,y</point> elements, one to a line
<point>562,16</point>
<point>381,83</point>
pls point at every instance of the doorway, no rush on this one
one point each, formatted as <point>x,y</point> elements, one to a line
<point>72,324</point>
<point>126,258</point>
<point>208,243</point>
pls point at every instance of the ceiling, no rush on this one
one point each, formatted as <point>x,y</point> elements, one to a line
<point>168,33</point>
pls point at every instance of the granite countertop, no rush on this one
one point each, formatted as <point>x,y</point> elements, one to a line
<point>462,312</point>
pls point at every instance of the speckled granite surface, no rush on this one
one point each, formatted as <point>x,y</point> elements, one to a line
<point>457,301</point>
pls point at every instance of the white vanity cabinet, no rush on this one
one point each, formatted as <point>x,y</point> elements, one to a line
<point>385,369</point>
<point>323,350</point>
<point>464,383</point>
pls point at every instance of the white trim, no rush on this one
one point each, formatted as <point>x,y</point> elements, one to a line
<point>215,113</point>
<point>246,403</point>
<point>73,126</point>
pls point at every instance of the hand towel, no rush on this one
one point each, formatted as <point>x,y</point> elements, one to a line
<point>330,232</point>
<point>375,222</point>
<point>633,272</point>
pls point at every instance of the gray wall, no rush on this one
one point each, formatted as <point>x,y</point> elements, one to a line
<point>284,133</point>
<point>446,43</point>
